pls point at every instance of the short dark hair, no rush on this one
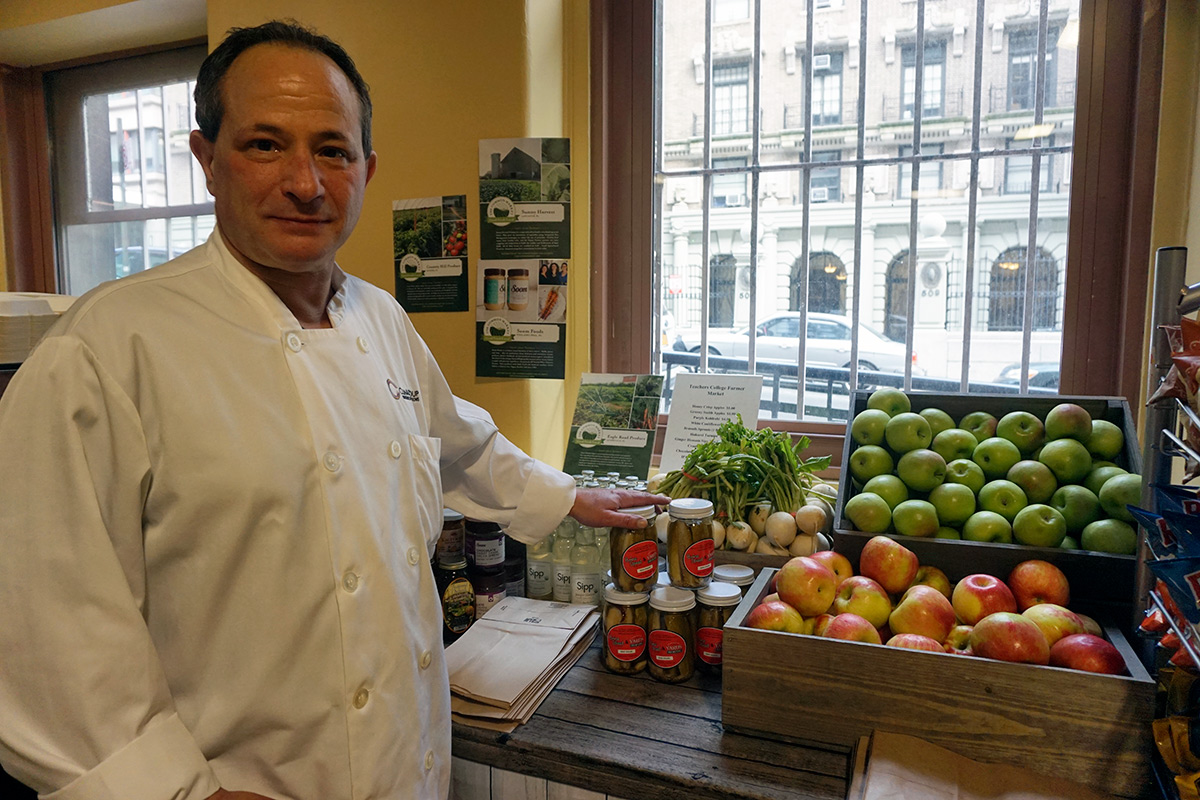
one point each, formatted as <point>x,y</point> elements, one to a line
<point>209,106</point>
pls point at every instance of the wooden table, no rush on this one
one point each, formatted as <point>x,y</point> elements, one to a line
<point>636,738</point>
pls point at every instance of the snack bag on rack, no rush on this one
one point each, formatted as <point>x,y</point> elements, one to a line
<point>1186,528</point>
<point>1182,577</point>
<point>1181,499</point>
<point>1159,536</point>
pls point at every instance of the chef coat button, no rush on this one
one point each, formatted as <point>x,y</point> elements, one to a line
<point>350,581</point>
<point>360,698</point>
<point>412,556</point>
<point>426,659</point>
<point>394,449</point>
<point>428,760</point>
<point>362,344</point>
<point>332,461</point>
<point>293,342</point>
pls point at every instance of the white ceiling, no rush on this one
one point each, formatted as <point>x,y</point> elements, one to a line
<point>126,26</point>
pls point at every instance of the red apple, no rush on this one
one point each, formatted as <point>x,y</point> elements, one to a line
<point>1036,581</point>
<point>1090,625</point>
<point>977,596</point>
<point>1054,620</point>
<point>838,564</point>
<point>914,641</point>
<point>820,623</point>
<point>860,595</point>
<point>1087,652</point>
<point>775,616</point>
<point>806,585</point>
<point>852,628</point>
<point>1007,636</point>
<point>932,576</point>
<point>925,611</point>
<point>885,632</point>
<point>959,640</point>
<point>892,565</point>
<point>773,597</point>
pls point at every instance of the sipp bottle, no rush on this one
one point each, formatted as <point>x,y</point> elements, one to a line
<point>564,539</point>
<point>585,569</point>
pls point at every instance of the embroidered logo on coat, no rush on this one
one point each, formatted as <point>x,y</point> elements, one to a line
<point>411,395</point>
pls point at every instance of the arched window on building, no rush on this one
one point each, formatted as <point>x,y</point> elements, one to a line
<point>826,284</point>
<point>1006,291</point>
<point>895,321</point>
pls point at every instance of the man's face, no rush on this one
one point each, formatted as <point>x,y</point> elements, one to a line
<point>287,168</point>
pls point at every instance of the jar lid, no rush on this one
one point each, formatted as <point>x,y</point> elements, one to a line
<point>690,508</point>
<point>720,594</point>
<point>737,574</point>
<point>614,595</point>
<point>672,598</point>
<point>632,478</point>
<point>450,515</point>
<point>458,563</point>
<point>645,512</point>
<point>483,526</point>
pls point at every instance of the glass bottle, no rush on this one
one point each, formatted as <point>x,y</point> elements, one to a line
<point>564,540</point>
<point>539,569</point>
<point>585,569</point>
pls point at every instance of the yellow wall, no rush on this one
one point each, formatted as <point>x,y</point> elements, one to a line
<point>444,75</point>
<point>19,13</point>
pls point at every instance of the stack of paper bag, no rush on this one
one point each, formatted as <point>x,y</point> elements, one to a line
<point>24,317</point>
<point>510,659</point>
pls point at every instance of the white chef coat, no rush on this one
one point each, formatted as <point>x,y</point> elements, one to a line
<point>215,533</point>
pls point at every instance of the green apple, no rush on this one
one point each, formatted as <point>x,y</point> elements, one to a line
<point>1107,441</point>
<point>1068,459</point>
<point>1118,492</point>
<point>868,426</point>
<point>1039,525</point>
<point>1109,536</point>
<point>938,420</point>
<point>1068,421</point>
<point>1078,506</point>
<point>955,503</point>
<point>889,487</point>
<point>893,401</point>
<point>996,457</point>
<point>907,431</point>
<point>1069,543</point>
<point>869,512</point>
<point>1022,429</point>
<point>947,533</point>
<point>868,461</point>
<point>1097,477</point>
<point>954,443</point>
<point>915,518</point>
<point>966,472</point>
<point>987,526</point>
<point>1002,497</point>
<point>1035,479</point>
<point>981,424</point>
<point>921,470</point>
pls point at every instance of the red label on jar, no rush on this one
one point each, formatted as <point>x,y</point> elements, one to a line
<point>708,645</point>
<point>698,559</point>
<point>640,560</point>
<point>626,642</point>
<point>667,649</point>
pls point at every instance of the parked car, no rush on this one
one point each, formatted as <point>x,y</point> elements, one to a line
<point>1042,374</point>
<point>777,338</point>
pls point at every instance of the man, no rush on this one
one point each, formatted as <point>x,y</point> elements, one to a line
<point>224,479</point>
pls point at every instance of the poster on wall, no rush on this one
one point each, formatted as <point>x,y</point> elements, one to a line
<point>613,426</point>
<point>429,244</point>
<point>524,258</point>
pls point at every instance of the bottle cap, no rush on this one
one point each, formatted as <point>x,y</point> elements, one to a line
<point>720,594</point>
<point>614,595</point>
<point>645,512</point>
<point>450,515</point>
<point>455,564</point>
<point>690,508</point>
<point>672,598</point>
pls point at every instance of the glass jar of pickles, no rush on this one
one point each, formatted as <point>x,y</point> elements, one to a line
<point>715,605</point>
<point>671,634</point>
<point>626,619</point>
<point>634,553</point>
<point>690,543</point>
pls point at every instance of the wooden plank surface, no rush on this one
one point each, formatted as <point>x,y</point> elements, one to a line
<point>635,737</point>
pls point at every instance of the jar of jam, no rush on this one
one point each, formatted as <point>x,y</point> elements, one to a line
<point>453,539</point>
<point>489,589</point>
<point>626,618</point>
<point>739,575</point>
<point>690,543</point>
<point>715,605</point>
<point>484,545</point>
<point>634,553</point>
<point>458,599</point>
<point>671,634</point>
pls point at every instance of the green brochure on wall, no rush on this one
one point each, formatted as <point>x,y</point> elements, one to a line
<point>613,426</point>
<point>429,244</point>
<point>524,258</point>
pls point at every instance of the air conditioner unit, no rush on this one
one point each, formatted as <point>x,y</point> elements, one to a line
<point>820,194</point>
<point>821,61</point>
<point>735,200</point>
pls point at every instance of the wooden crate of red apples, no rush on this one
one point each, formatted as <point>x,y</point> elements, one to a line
<point>1018,677</point>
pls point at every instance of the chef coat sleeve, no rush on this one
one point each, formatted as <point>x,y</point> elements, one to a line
<point>85,710</point>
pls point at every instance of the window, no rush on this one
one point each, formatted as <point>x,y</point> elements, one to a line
<point>1006,290</point>
<point>731,98</point>
<point>729,189</point>
<point>826,286</point>
<point>128,194</point>
<point>1018,170</point>
<point>722,284</point>
<point>929,183</point>
<point>933,85</point>
<point>1022,68</point>
<point>827,89</point>
<point>895,321</point>
<point>731,10</point>
<point>826,182</point>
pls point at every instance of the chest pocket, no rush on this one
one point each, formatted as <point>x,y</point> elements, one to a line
<point>425,482</point>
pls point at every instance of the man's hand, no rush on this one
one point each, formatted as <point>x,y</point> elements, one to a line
<point>221,794</point>
<point>597,508</point>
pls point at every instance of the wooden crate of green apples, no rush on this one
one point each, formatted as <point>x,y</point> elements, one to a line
<point>976,480</point>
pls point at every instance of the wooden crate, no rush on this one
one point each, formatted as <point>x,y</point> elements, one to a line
<point>1093,729</point>
<point>1096,578</point>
